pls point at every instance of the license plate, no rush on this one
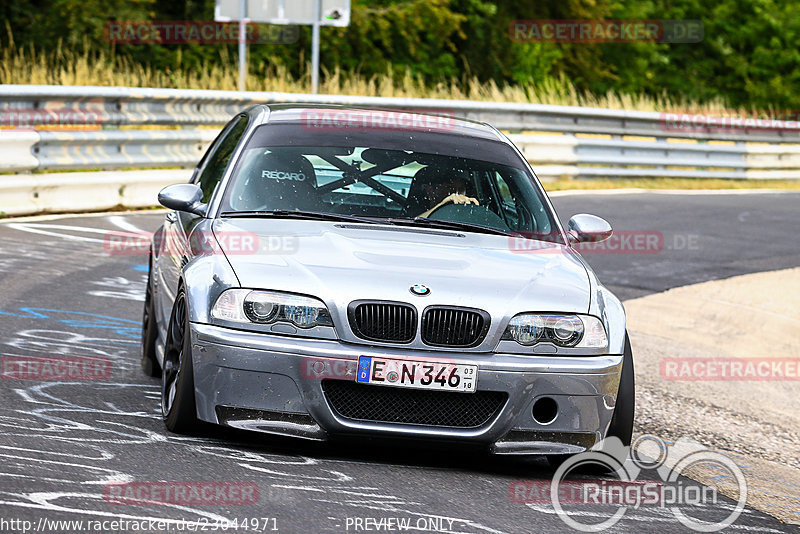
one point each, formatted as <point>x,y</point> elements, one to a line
<point>416,374</point>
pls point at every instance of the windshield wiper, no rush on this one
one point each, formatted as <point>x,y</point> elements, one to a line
<point>450,225</point>
<point>324,216</point>
<point>300,214</point>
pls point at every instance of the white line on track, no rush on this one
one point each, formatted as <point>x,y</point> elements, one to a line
<point>57,216</point>
<point>37,229</point>
<point>123,224</point>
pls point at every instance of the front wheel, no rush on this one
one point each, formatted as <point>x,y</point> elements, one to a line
<point>150,365</point>
<point>178,408</point>
<point>622,422</point>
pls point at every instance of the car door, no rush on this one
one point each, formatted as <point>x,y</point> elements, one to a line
<point>176,249</point>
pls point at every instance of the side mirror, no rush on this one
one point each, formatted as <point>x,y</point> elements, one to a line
<point>183,197</point>
<point>584,228</point>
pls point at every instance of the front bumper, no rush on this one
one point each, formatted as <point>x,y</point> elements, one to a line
<point>273,384</point>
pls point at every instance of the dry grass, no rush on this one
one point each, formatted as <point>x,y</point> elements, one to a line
<point>68,67</point>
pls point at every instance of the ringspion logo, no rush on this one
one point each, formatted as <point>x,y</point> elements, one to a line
<point>593,491</point>
<point>664,485</point>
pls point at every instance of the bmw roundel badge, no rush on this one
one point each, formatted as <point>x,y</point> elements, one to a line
<point>420,290</point>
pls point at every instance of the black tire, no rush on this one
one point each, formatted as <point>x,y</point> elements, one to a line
<point>555,460</point>
<point>150,365</point>
<point>178,408</point>
<point>587,468</point>
<point>622,421</point>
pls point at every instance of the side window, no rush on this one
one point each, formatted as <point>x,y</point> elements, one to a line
<point>505,192</point>
<point>217,162</point>
<point>511,210</point>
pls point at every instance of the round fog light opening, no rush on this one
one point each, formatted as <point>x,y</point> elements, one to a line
<point>545,410</point>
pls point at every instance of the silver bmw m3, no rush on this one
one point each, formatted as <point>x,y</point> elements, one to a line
<point>338,272</point>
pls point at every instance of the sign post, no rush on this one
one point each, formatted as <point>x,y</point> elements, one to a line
<point>242,45</point>
<point>314,13</point>
<point>315,47</point>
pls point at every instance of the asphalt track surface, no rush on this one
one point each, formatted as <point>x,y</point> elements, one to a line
<point>62,443</point>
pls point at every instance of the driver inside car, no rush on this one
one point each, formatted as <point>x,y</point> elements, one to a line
<point>434,188</point>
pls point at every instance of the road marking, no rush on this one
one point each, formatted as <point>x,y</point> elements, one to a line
<point>37,229</point>
<point>124,224</point>
<point>57,216</point>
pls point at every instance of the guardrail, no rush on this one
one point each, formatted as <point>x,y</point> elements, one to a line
<point>590,142</point>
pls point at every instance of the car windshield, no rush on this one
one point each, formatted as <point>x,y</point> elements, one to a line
<point>393,185</point>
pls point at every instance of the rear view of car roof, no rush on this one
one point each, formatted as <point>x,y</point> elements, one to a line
<point>333,117</point>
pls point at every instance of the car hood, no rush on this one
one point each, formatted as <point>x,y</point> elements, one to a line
<point>343,262</point>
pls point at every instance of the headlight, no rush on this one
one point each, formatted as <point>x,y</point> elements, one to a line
<point>266,307</point>
<point>582,331</point>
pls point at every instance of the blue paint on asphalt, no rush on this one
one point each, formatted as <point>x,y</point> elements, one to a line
<point>124,327</point>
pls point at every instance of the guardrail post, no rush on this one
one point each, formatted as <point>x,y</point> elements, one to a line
<point>17,151</point>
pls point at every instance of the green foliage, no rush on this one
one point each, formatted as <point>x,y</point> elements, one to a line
<point>748,57</point>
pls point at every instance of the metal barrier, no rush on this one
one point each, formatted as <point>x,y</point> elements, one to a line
<point>573,156</point>
<point>590,142</point>
<point>115,149</point>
